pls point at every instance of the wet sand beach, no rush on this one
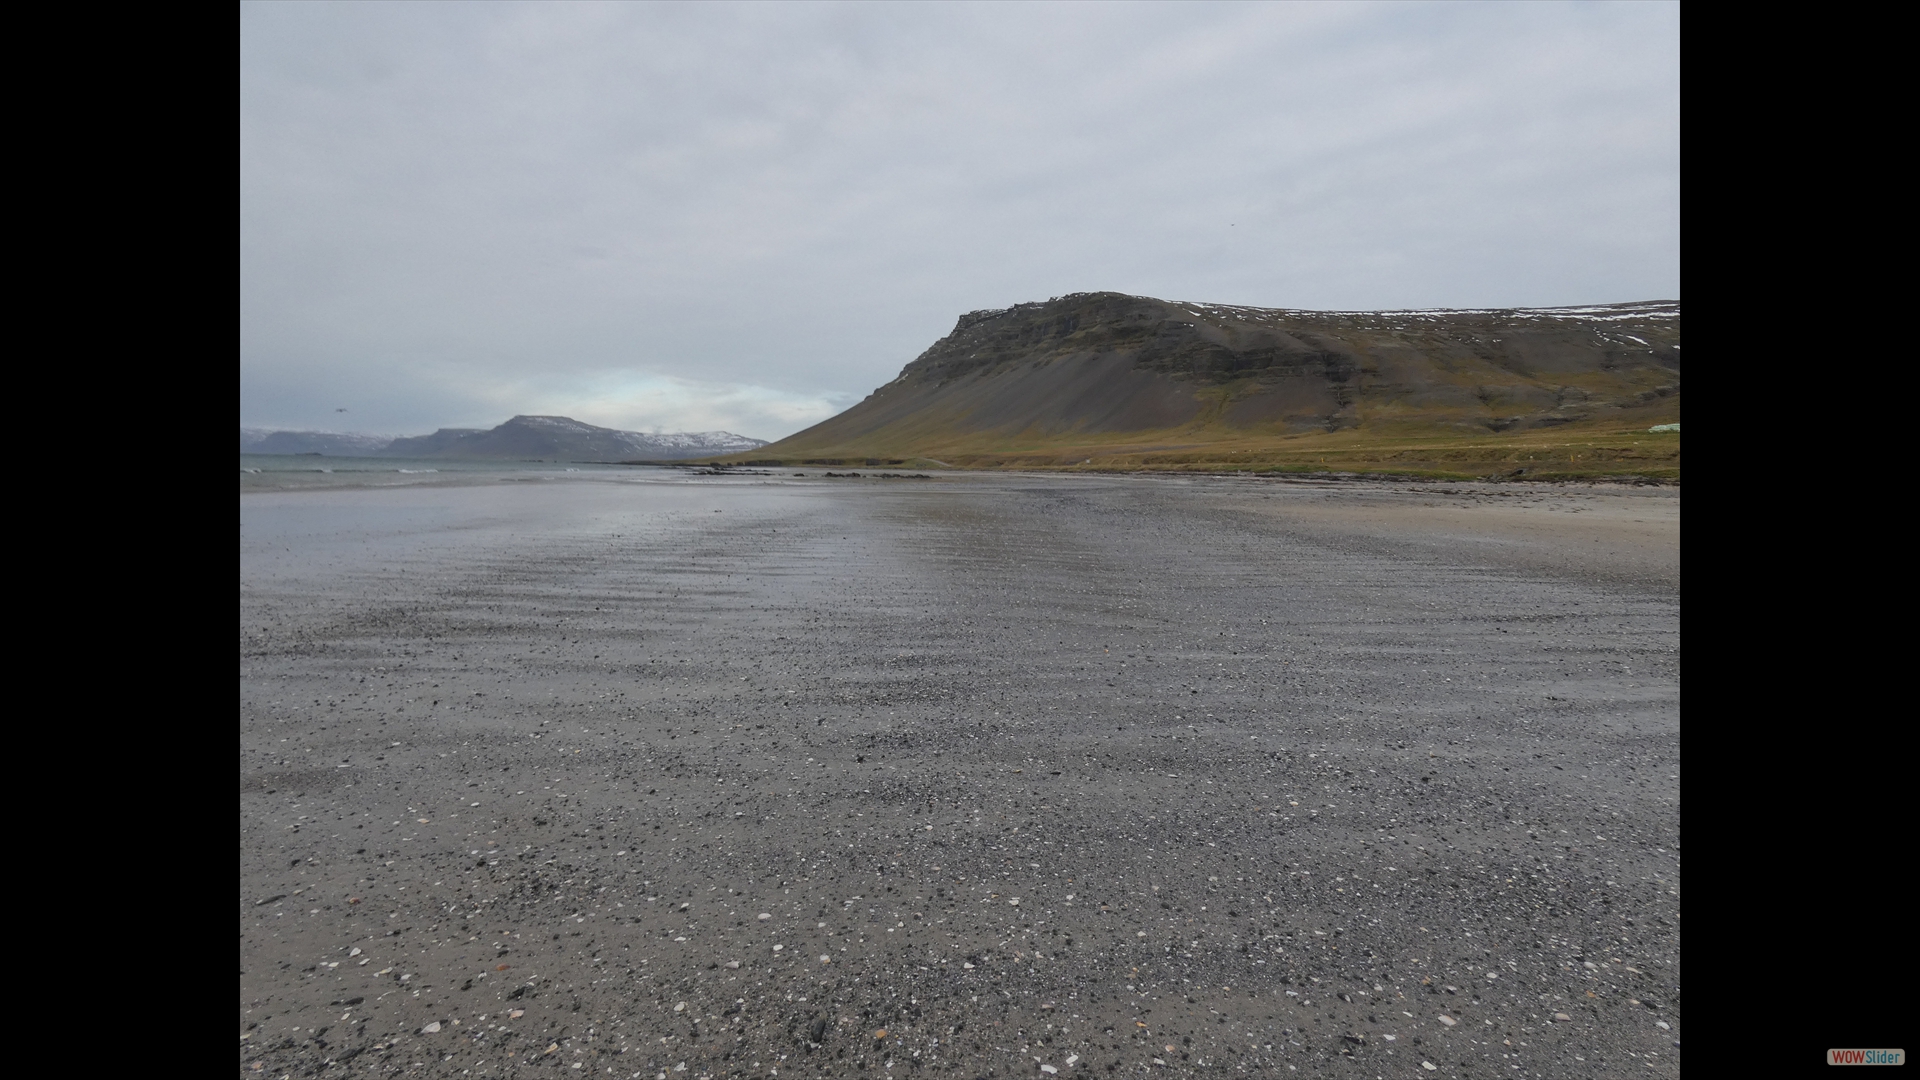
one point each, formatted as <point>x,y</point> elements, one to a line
<point>644,774</point>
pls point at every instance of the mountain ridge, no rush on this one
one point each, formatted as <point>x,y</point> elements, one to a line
<point>522,437</point>
<point>1088,377</point>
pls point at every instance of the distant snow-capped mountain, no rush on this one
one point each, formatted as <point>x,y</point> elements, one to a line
<point>332,443</point>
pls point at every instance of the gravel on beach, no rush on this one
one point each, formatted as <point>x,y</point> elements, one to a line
<point>984,776</point>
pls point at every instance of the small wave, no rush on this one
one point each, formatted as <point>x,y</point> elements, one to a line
<point>416,470</point>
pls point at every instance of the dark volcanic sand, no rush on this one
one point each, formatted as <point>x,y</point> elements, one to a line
<point>1279,775</point>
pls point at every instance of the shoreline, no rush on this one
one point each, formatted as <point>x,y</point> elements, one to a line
<point>468,473</point>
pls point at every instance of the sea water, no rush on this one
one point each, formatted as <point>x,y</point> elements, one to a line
<point>285,472</point>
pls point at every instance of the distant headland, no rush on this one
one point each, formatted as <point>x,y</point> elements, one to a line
<point>545,438</point>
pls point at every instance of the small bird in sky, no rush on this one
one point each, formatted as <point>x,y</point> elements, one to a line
<point>339,410</point>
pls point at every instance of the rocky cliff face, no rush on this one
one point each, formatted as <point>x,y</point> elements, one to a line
<point>1106,362</point>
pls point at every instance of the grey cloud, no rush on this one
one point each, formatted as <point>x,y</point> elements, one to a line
<point>799,198</point>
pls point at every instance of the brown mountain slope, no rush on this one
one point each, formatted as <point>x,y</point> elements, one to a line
<point>1107,380</point>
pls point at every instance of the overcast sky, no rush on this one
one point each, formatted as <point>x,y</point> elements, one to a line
<point>669,217</point>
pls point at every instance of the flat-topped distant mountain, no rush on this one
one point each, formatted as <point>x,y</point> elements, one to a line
<point>561,438</point>
<point>548,438</point>
<point>1122,378</point>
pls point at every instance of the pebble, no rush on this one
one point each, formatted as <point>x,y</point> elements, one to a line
<point>430,1028</point>
<point>939,971</point>
<point>1429,1066</point>
<point>1662,1025</point>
